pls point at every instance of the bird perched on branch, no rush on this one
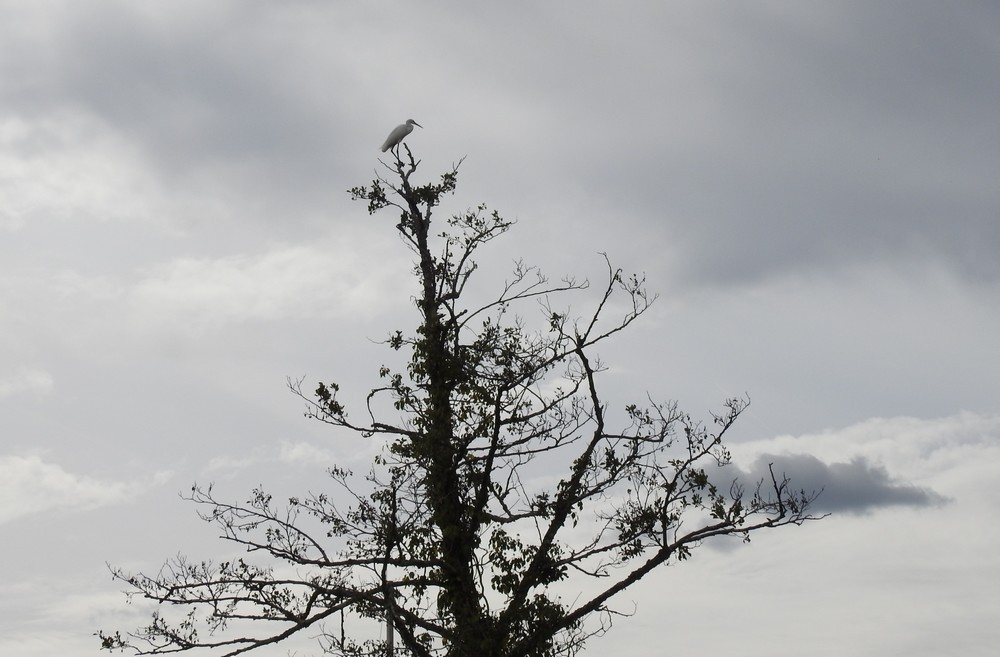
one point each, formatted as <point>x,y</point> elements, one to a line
<point>397,134</point>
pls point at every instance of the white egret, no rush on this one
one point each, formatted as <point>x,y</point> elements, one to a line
<point>398,133</point>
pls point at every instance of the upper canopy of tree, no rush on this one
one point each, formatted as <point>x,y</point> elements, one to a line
<point>510,503</point>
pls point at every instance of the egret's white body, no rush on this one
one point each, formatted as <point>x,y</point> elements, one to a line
<point>398,133</point>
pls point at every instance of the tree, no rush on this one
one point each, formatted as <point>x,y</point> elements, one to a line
<point>460,539</point>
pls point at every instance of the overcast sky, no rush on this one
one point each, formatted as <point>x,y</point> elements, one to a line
<point>811,188</point>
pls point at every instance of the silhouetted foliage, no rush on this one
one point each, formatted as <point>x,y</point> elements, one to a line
<point>503,483</point>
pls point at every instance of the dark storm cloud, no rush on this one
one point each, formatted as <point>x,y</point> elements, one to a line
<point>856,486</point>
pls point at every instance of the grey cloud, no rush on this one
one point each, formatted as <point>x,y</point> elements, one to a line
<point>208,102</point>
<point>829,144</point>
<point>777,142</point>
<point>856,486</point>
